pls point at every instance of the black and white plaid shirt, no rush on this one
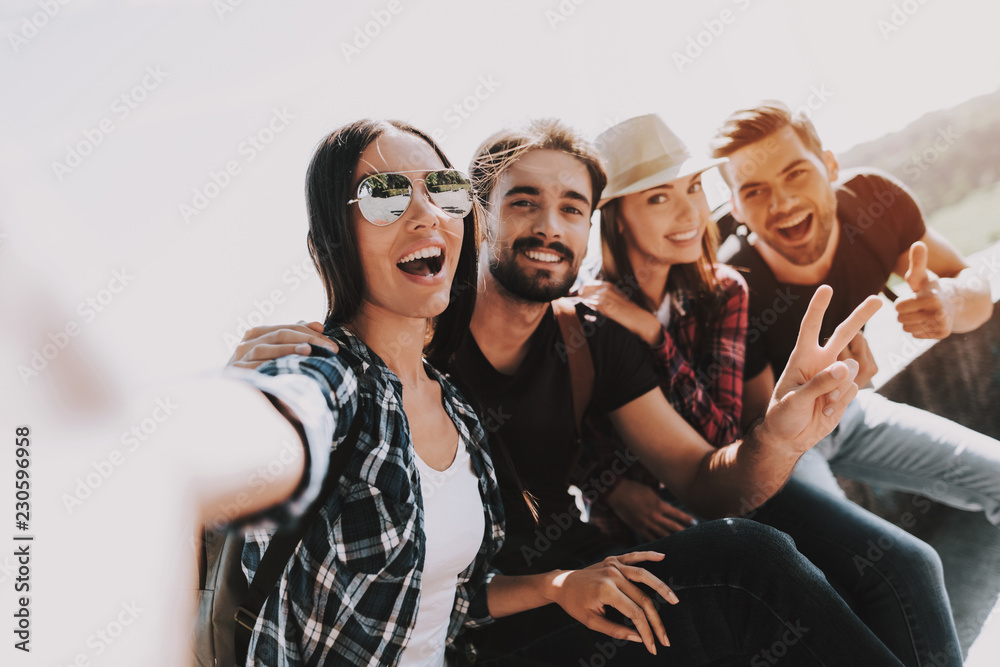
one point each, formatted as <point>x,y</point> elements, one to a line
<point>350,592</point>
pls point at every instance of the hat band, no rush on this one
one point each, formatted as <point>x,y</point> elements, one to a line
<point>649,168</point>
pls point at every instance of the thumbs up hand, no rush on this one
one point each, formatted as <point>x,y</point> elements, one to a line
<point>930,311</point>
<point>916,276</point>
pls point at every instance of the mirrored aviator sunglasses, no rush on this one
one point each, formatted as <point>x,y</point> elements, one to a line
<point>383,198</point>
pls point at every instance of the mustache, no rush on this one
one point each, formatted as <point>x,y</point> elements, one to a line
<point>535,243</point>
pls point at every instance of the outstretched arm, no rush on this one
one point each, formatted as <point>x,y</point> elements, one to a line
<point>225,430</point>
<point>308,401</point>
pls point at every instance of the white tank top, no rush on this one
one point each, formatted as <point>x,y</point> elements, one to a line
<point>453,531</point>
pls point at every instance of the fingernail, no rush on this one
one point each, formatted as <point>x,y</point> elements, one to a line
<point>838,371</point>
<point>635,638</point>
<point>673,598</point>
<point>835,394</point>
<point>302,348</point>
<point>666,642</point>
<point>828,412</point>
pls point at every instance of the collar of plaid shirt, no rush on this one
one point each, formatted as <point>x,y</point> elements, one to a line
<point>350,593</point>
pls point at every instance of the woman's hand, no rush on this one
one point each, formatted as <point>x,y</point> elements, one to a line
<point>262,344</point>
<point>609,301</point>
<point>644,511</point>
<point>584,594</point>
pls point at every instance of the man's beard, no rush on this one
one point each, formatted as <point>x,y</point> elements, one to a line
<point>540,289</point>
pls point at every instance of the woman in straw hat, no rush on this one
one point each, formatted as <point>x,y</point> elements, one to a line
<point>659,279</point>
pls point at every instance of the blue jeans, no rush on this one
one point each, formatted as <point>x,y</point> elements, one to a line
<point>747,597</point>
<point>900,447</point>
<point>892,580</point>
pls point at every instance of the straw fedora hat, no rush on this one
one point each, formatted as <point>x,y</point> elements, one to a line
<point>643,152</point>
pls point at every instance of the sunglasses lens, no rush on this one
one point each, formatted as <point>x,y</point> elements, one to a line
<point>451,191</point>
<point>382,198</point>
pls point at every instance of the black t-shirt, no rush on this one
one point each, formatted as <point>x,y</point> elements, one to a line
<point>879,220</point>
<point>530,413</point>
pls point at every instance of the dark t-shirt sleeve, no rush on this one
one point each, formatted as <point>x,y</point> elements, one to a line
<point>738,254</point>
<point>879,199</point>
<point>623,369</point>
<point>756,356</point>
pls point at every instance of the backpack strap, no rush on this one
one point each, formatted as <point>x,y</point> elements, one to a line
<point>581,366</point>
<point>282,545</point>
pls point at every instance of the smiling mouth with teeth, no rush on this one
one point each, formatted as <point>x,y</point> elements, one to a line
<point>796,228</point>
<point>543,256</point>
<point>424,262</point>
<point>683,236</point>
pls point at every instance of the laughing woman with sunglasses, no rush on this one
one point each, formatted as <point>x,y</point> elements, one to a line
<point>396,561</point>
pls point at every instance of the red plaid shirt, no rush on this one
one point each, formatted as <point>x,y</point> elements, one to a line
<point>707,391</point>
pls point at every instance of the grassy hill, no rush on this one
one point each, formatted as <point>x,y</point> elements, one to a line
<point>944,156</point>
<point>971,224</point>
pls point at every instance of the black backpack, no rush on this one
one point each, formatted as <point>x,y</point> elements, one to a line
<point>227,607</point>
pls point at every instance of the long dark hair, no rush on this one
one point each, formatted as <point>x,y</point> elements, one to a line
<point>333,243</point>
<point>697,279</point>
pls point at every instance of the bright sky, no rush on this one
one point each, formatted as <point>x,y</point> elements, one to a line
<point>200,77</point>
